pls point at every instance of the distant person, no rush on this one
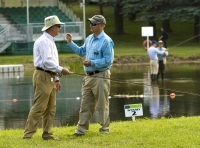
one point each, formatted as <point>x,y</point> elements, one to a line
<point>45,80</point>
<point>99,52</point>
<point>162,60</point>
<point>153,52</point>
<point>164,37</point>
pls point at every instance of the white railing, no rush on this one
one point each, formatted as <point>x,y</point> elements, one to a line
<point>68,12</point>
<point>28,33</point>
<point>4,37</point>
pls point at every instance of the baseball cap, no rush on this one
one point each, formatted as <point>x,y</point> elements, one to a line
<point>154,42</point>
<point>97,18</point>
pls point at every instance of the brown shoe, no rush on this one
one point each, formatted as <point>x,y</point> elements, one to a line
<point>50,138</point>
<point>78,134</point>
<point>106,131</point>
<point>27,138</point>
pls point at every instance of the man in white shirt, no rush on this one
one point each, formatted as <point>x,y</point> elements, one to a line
<point>153,52</point>
<point>45,80</point>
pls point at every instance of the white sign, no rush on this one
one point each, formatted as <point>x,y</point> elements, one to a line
<point>133,110</point>
<point>147,31</point>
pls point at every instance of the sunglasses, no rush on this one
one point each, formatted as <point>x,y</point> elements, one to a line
<point>93,24</point>
<point>58,26</point>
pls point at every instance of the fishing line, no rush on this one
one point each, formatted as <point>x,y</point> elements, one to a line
<point>184,41</point>
<point>138,84</point>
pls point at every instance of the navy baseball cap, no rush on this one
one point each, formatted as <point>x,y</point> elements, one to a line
<point>154,42</point>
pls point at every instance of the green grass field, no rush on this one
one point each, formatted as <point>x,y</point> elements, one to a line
<point>180,132</point>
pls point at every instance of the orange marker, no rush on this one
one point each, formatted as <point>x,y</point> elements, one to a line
<point>14,100</point>
<point>172,95</point>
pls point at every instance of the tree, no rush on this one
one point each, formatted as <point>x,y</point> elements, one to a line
<point>119,23</point>
<point>131,8</point>
<point>187,10</point>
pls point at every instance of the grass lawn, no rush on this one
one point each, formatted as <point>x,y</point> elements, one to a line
<point>180,132</point>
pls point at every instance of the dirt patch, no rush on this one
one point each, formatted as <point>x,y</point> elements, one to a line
<point>122,60</point>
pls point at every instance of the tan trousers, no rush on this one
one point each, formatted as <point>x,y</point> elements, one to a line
<point>95,92</point>
<point>154,66</point>
<point>44,104</point>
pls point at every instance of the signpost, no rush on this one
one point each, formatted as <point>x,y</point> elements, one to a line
<point>132,110</point>
<point>147,31</point>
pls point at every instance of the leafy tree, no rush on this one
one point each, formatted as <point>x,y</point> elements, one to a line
<point>187,10</point>
<point>118,16</point>
<point>166,10</point>
<point>131,8</point>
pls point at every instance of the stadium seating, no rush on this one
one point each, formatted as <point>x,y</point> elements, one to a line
<point>36,14</point>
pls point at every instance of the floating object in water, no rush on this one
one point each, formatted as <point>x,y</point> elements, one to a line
<point>172,95</point>
<point>14,100</point>
<point>77,98</point>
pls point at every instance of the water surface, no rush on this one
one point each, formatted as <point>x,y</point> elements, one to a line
<point>129,85</point>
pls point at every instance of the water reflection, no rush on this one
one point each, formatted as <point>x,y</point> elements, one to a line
<point>157,99</point>
<point>139,89</point>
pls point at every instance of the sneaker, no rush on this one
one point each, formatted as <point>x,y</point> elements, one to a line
<point>50,138</point>
<point>106,131</point>
<point>78,134</point>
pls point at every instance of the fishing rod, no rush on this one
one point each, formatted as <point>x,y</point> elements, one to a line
<point>184,41</point>
<point>138,84</point>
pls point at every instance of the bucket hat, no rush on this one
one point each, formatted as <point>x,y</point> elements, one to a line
<point>50,21</point>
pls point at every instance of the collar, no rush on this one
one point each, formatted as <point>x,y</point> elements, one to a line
<point>49,36</point>
<point>99,36</point>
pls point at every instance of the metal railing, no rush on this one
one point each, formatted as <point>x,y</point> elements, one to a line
<point>28,33</point>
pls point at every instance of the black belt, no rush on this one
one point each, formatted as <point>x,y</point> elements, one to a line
<point>50,72</point>
<point>92,73</point>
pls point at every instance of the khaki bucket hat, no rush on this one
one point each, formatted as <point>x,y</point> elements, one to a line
<point>50,21</point>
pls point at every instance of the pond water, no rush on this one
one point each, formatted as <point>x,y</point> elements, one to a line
<point>129,85</point>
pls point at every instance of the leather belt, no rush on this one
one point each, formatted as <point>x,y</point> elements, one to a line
<point>50,72</point>
<point>92,73</point>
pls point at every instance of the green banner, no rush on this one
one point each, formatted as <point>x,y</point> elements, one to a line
<point>133,106</point>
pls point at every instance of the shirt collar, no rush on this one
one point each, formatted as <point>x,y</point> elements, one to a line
<point>49,36</point>
<point>99,36</point>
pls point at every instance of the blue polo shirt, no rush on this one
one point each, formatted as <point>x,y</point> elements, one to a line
<point>165,54</point>
<point>99,50</point>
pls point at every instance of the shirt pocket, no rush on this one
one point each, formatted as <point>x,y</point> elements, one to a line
<point>97,54</point>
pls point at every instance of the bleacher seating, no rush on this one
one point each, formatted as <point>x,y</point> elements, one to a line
<point>36,15</point>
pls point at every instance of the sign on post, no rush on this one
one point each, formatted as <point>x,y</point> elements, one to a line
<point>147,31</point>
<point>132,110</point>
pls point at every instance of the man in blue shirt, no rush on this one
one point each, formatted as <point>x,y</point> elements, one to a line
<point>153,52</point>
<point>161,60</point>
<point>99,52</point>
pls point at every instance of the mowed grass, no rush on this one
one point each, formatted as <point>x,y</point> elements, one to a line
<point>152,133</point>
<point>120,50</point>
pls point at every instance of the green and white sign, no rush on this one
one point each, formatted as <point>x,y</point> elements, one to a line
<point>133,110</point>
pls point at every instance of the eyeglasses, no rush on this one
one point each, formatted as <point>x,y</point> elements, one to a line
<point>93,24</point>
